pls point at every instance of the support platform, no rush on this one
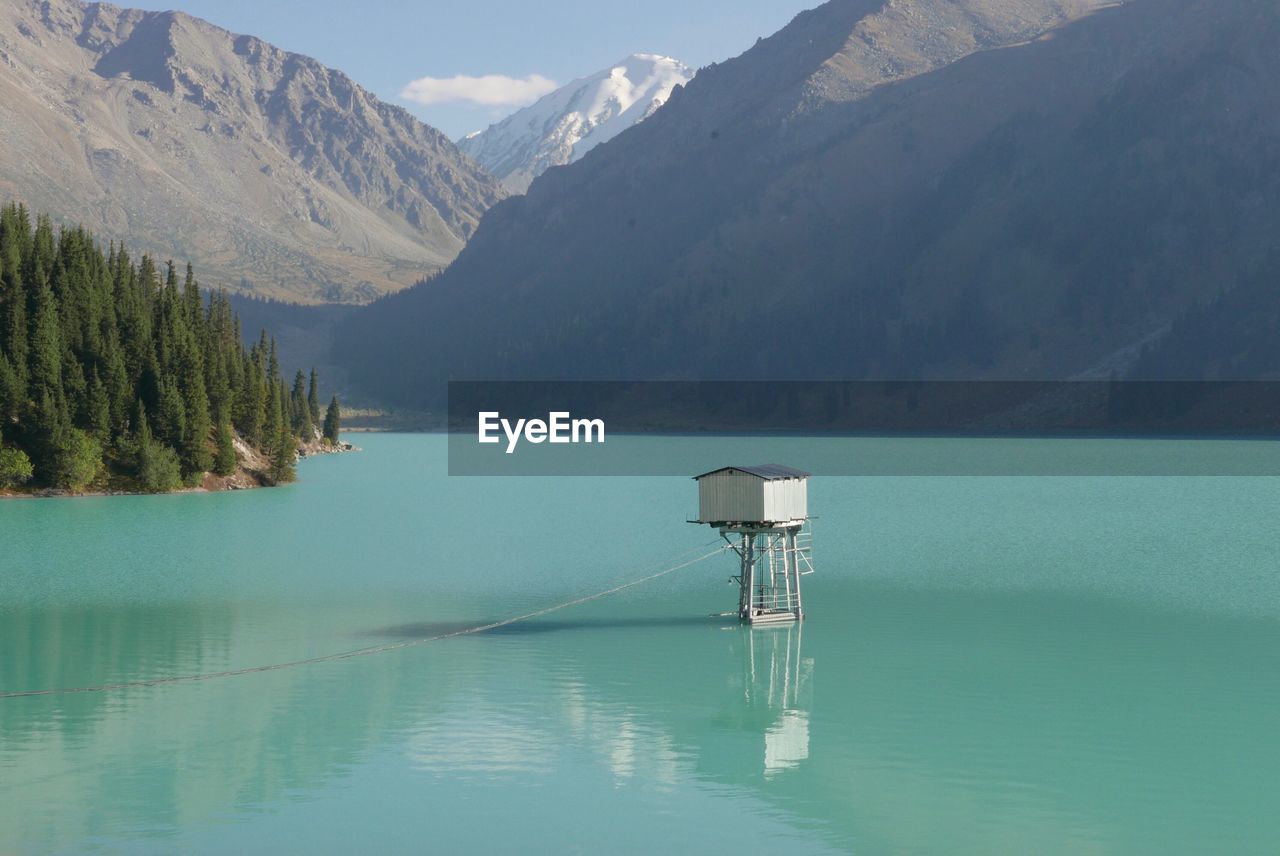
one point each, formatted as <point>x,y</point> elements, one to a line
<point>773,558</point>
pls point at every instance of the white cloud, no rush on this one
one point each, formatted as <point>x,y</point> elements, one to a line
<point>490,90</point>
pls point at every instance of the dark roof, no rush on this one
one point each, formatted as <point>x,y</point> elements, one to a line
<point>768,472</point>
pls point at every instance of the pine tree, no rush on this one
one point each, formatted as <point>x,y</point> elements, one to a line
<point>139,427</point>
<point>332,422</point>
<point>274,422</point>
<point>171,416</point>
<point>13,299</point>
<point>273,364</point>
<point>196,457</point>
<point>99,409</point>
<point>224,462</point>
<point>46,342</point>
<point>10,395</point>
<point>119,389</point>
<point>251,411</point>
<point>156,465</point>
<point>43,251</point>
<point>313,398</point>
<point>287,410</point>
<point>195,405</point>
<point>193,305</point>
<point>16,337</point>
<point>301,408</point>
<point>283,453</point>
<point>68,457</point>
<point>46,433</point>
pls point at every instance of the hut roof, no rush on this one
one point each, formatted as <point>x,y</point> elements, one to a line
<point>768,472</point>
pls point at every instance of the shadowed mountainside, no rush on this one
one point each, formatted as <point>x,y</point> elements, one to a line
<point>882,189</point>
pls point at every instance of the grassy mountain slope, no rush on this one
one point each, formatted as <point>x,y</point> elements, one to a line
<point>274,174</point>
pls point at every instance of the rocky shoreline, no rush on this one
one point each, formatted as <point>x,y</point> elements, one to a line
<point>251,472</point>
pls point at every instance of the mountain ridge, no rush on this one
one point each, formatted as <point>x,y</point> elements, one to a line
<point>1022,211</point>
<point>562,126</point>
<point>273,172</point>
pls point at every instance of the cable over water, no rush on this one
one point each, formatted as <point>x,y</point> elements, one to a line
<point>364,652</point>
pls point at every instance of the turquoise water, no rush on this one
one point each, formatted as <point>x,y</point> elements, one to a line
<point>1007,665</point>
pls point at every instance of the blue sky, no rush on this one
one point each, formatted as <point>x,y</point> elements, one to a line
<point>386,44</point>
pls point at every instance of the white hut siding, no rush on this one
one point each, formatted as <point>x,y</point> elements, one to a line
<point>736,496</point>
<point>785,499</point>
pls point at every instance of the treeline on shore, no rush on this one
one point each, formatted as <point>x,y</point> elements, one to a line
<point>115,375</point>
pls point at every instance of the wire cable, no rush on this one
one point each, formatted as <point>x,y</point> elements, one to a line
<point>362,652</point>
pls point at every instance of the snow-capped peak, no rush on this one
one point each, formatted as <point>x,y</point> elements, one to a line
<point>561,127</point>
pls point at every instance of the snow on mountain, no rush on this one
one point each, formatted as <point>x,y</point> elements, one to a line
<point>561,127</point>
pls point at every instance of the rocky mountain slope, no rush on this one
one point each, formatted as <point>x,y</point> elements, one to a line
<point>885,188</point>
<point>271,172</point>
<point>563,126</point>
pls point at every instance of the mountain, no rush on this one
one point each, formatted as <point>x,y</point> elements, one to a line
<point>269,171</point>
<point>883,189</point>
<point>564,125</point>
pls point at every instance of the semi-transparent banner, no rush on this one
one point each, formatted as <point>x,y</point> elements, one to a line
<point>923,428</point>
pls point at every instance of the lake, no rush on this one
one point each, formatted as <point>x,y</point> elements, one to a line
<point>989,665</point>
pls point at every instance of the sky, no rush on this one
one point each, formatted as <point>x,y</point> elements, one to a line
<point>462,65</point>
